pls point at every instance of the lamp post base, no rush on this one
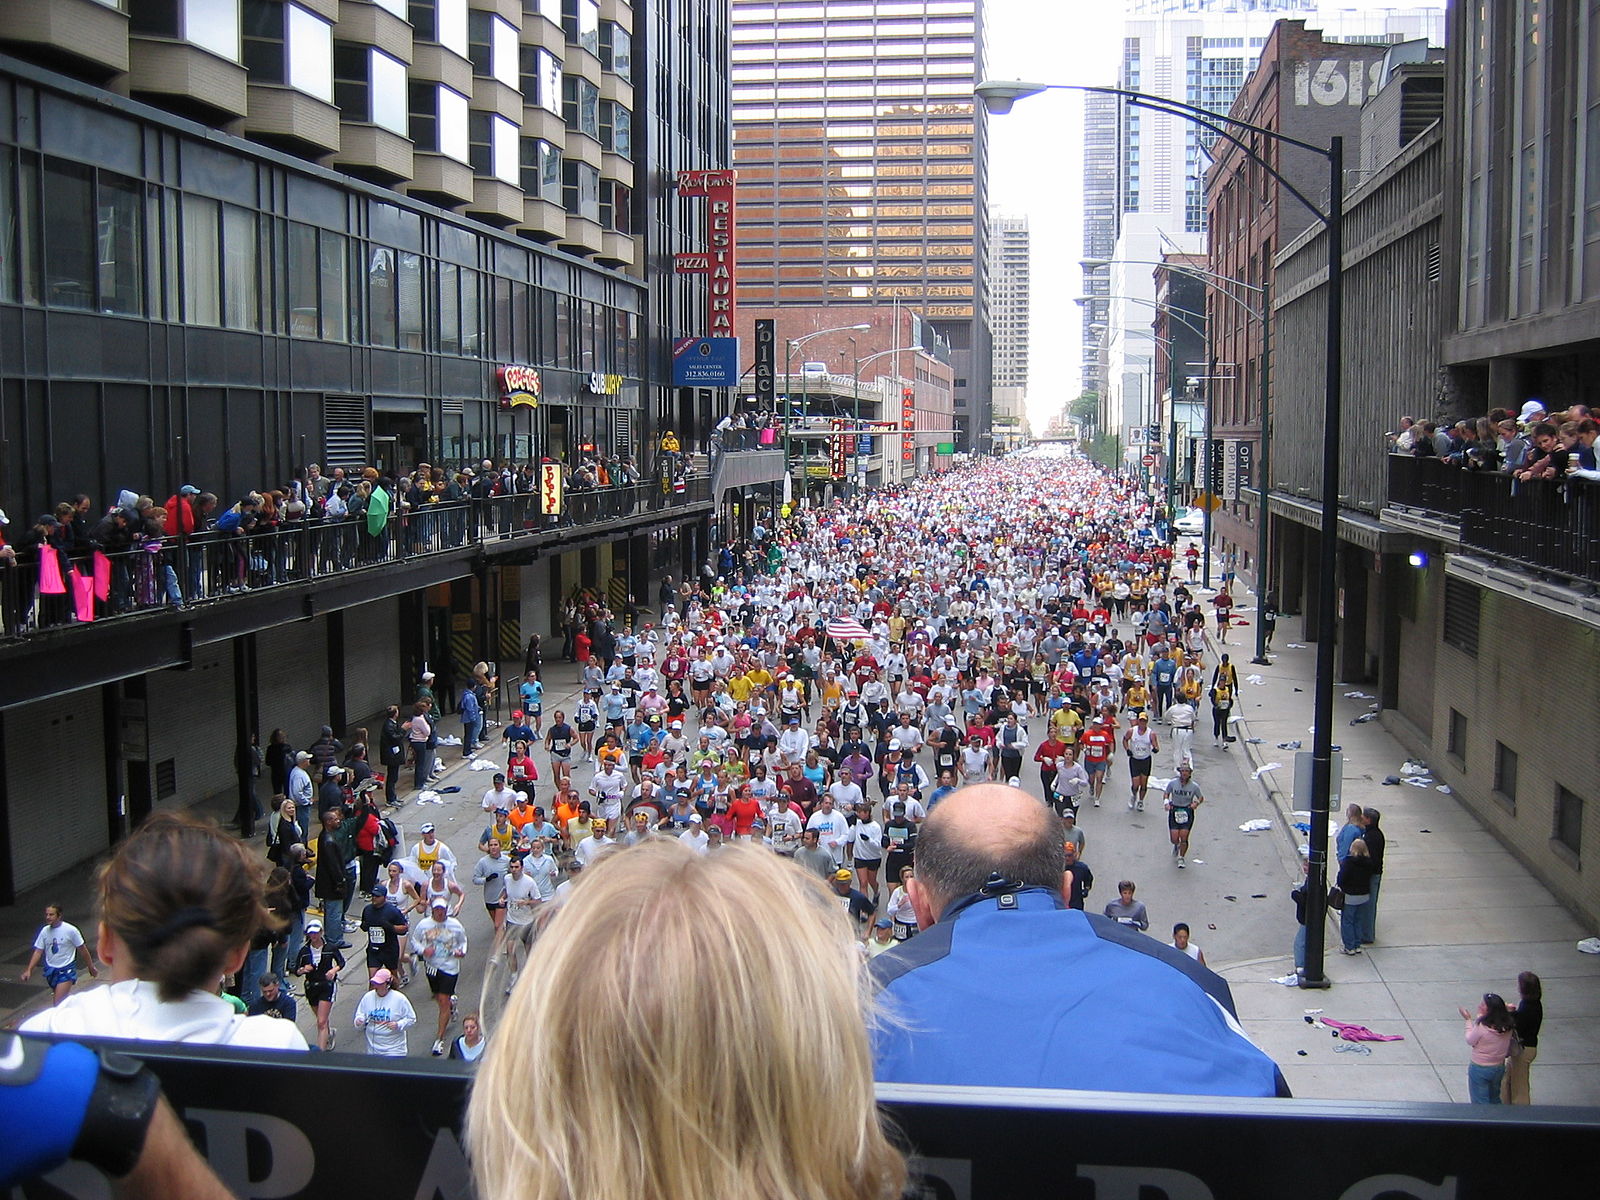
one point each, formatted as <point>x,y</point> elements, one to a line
<point>1261,661</point>
<point>1321,983</point>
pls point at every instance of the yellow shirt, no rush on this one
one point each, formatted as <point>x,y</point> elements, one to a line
<point>760,678</point>
<point>740,687</point>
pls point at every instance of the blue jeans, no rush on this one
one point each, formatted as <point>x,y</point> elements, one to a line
<point>333,921</point>
<point>1369,914</point>
<point>285,952</point>
<point>424,766</point>
<point>256,962</point>
<point>471,734</point>
<point>1483,1083</point>
<point>1350,920</point>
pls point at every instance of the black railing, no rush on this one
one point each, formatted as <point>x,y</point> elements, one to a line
<point>1429,483</point>
<point>1544,524</point>
<point>1549,525</point>
<point>207,567</point>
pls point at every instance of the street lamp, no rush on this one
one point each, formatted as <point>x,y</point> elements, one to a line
<point>857,374</point>
<point>998,97</point>
<point>789,345</point>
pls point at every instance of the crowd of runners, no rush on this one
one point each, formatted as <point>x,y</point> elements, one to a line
<point>848,669</point>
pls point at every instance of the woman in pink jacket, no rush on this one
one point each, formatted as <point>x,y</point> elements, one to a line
<point>1489,1035</point>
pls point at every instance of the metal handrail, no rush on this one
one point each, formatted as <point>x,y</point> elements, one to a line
<point>91,585</point>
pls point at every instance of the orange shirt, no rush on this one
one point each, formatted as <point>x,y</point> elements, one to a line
<point>1098,744</point>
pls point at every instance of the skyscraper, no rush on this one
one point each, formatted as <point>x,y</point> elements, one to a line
<point>1099,224</point>
<point>1009,290</point>
<point>862,160</point>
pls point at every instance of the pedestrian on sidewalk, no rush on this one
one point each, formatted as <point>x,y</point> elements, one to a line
<point>1489,1035</point>
<point>1372,835</point>
<point>1527,1016</point>
<point>1355,881</point>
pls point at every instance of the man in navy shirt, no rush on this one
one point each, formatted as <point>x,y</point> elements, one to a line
<point>1088,1003</point>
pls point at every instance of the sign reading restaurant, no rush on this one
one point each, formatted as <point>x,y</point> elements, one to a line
<point>717,261</point>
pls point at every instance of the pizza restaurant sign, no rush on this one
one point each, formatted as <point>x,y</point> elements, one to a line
<point>519,386</point>
<point>717,263</point>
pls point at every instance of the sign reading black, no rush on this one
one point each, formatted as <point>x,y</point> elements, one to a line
<point>766,364</point>
<point>261,1118</point>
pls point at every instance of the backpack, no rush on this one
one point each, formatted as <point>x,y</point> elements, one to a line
<point>387,834</point>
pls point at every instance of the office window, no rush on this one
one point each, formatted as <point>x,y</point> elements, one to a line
<point>580,21</point>
<point>492,47</point>
<point>1505,774</point>
<point>316,283</point>
<point>541,170</point>
<point>370,87</point>
<point>442,21</point>
<point>614,211</point>
<point>382,296</point>
<point>616,128</point>
<point>494,147</point>
<point>119,237</point>
<point>1569,820</point>
<point>202,261</point>
<point>284,43</point>
<point>550,10</point>
<point>580,105</point>
<point>439,121</point>
<point>412,314</point>
<point>241,279</point>
<point>210,24</point>
<point>1456,741</point>
<point>616,48</point>
<point>541,79</point>
<point>580,190</point>
<point>449,308</point>
<point>69,267</point>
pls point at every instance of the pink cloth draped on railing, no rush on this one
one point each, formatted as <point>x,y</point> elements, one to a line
<point>83,594</point>
<point>50,581</point>
<point>102,576</point>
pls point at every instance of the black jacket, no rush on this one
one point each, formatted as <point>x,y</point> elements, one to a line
<point>333,876</point>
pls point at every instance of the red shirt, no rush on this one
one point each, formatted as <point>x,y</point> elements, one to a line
<point>744,811</point>
<point>1098,744</point>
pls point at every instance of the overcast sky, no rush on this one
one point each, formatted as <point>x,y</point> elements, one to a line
<point>1035,161</point>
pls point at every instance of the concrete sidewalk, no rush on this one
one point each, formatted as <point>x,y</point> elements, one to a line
<point>1458,916</point>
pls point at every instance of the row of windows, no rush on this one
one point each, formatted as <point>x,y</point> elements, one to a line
<point>1567,811</point>
<point>117,245</point>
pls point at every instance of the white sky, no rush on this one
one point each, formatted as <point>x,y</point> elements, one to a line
<point>1035,162</point>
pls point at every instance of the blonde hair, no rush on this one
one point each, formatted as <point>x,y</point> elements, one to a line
<point>719,1057</point>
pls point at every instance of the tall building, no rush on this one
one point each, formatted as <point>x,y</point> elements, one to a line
<point>862,160</point>
<point>1009,301</point>
<point>1100,113</point>
<point>238,237</point>
<point>1200,53</point>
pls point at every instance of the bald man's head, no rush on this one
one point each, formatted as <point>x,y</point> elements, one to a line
<point>983,830</point>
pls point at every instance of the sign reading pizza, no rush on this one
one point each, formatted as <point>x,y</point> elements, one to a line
<point>717,263</point>
<point>550,489</point>
<point>519,386</point>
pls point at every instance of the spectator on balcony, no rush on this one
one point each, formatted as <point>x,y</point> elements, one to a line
<point>1532,413</point>
<point>1422,443</point>
<point>1579,437</point>
<point>1549,457</point>
<point>1512,446</point>
<point>1406,438</point>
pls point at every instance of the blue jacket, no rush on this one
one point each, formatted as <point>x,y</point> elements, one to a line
<point>1042,996</point>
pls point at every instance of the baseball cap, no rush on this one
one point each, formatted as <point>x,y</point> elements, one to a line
<point>379,889</point>
<point>695,818</point>
<point>518,715</point>
<point>382,975</point>
<point>4,520</point>
<point>841,875</point>
<point>427,677</point>
<point>884,923</point>
<point>303,756</point>
<point>313,926</point>
<point>502,811</point>
<point>427,827</point>
<point>440,902</point>
<point>188,489</point>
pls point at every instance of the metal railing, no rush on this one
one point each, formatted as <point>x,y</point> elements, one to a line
<point>1549,525</point>
<point>92,585</point>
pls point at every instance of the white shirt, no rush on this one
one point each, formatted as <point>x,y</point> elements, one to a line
<point>834,830</point>
<point>60,944</point>
<point>522,898</point>
<point>589,849</point>
<point>132,1009</point>
<point>506,799</point>
<point>867,838</point>
<point>373,1010</point>
<point>696,838</point>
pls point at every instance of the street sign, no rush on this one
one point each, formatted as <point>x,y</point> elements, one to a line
<point>944,448</point>
<point>1207,501</point>
<point>1149,460</point>
<point>705,362</point>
